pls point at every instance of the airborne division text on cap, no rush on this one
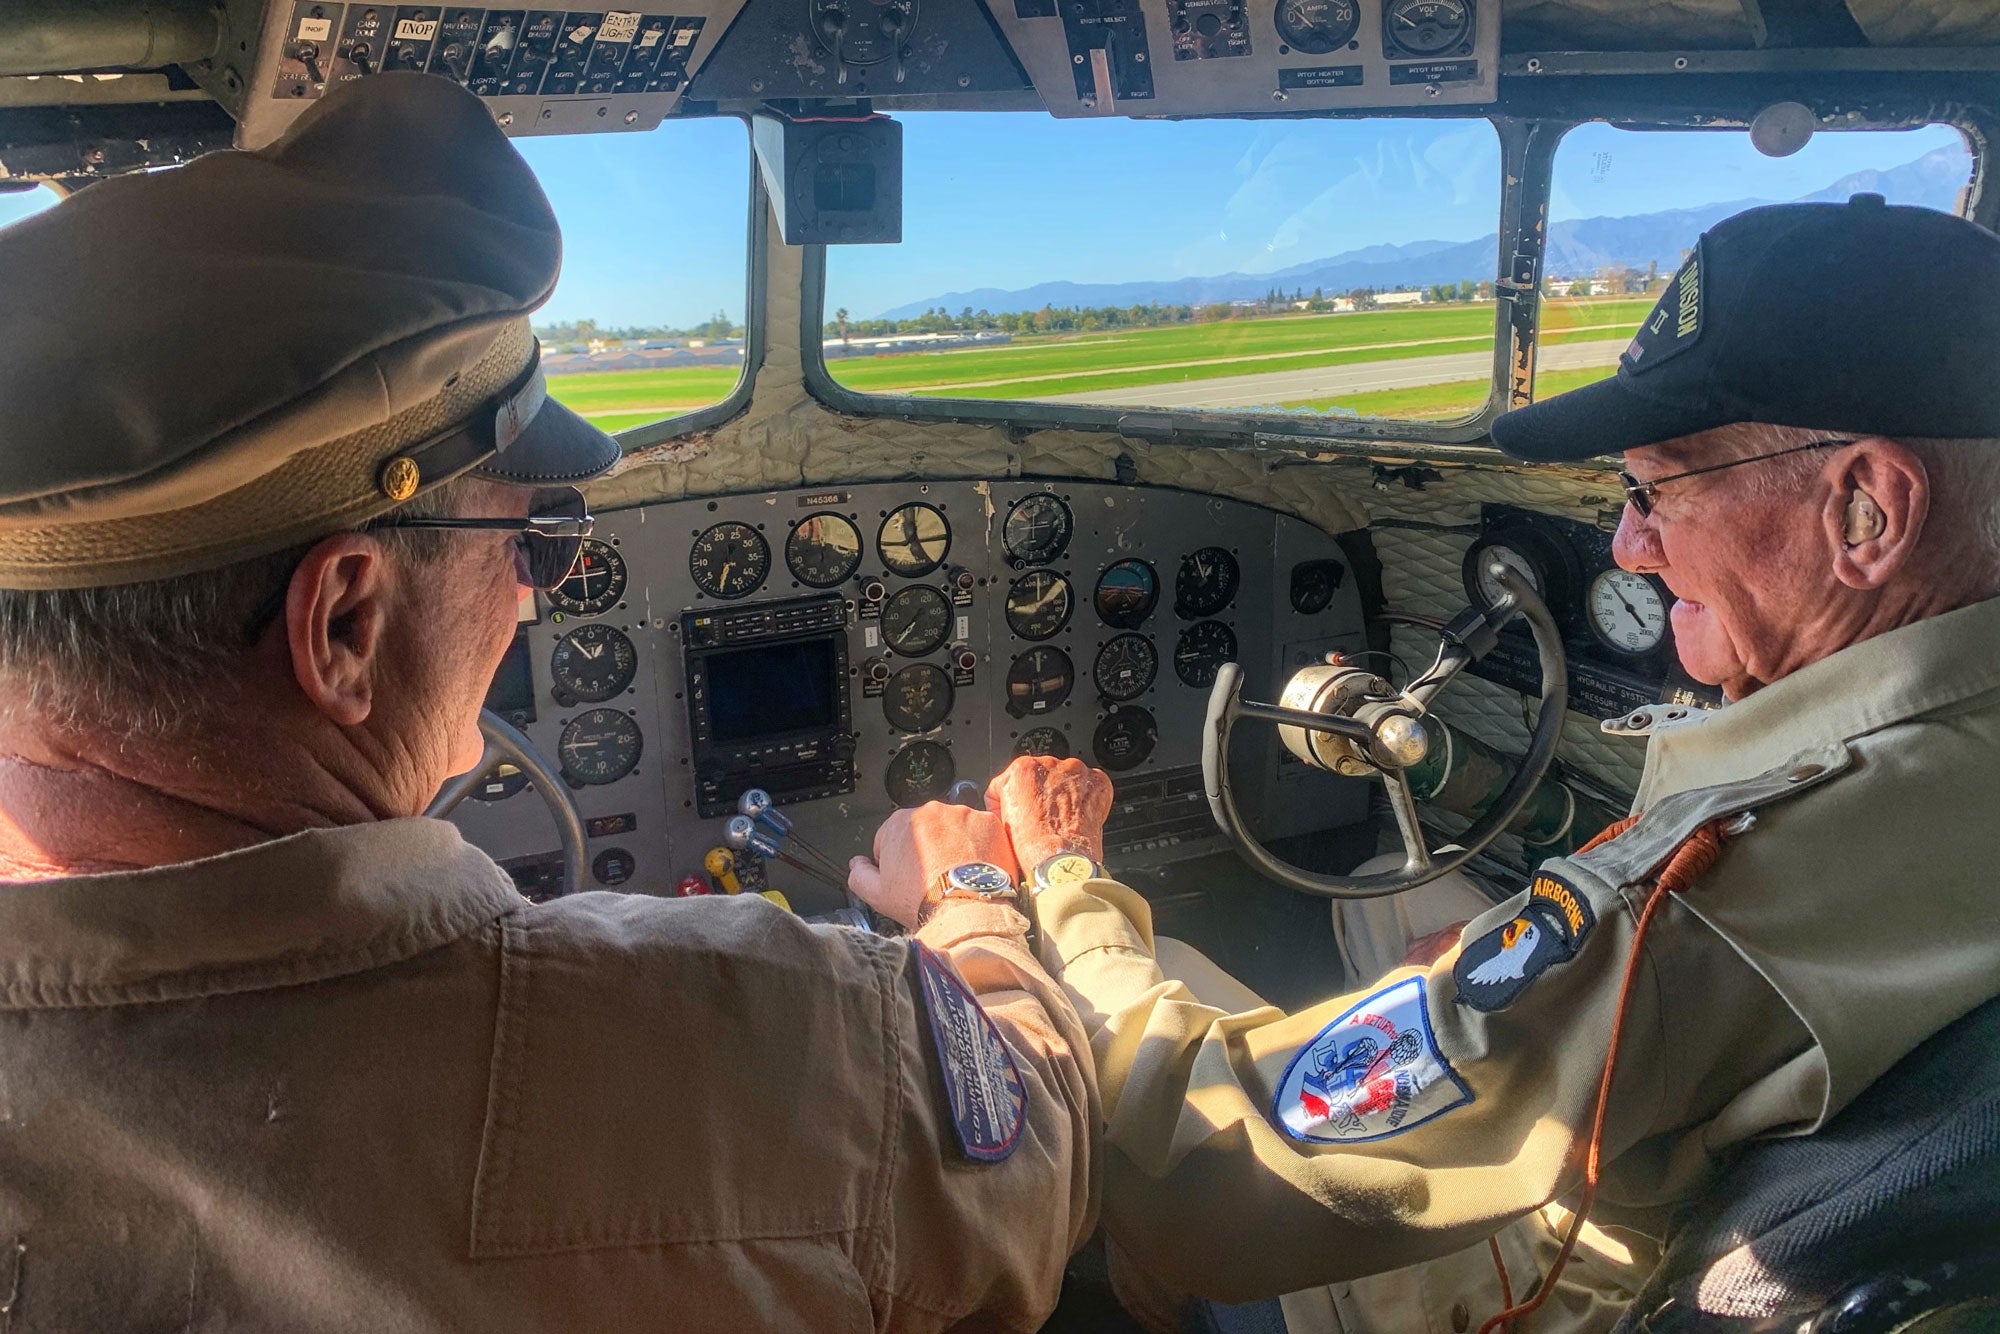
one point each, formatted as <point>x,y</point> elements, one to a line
<point>1863,318</point>
<point>226,359</point>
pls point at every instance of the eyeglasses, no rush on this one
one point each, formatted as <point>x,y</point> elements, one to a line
<point>549,540</point>
<point>550,537</point>
<point>1641,495</point>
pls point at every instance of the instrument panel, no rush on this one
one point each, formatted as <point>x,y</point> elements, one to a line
<point>853,650</point>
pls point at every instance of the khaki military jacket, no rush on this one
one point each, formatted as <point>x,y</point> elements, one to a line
<point>1850,915</point>
<point>351,1080</point>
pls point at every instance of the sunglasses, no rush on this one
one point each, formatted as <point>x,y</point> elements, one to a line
<point>1642,495</point>
<point>546,544</point>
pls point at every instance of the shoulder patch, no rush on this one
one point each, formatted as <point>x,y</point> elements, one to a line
<point>1498,966</point>
<point>1372,1073</point>
<point>1674,324</point>
<point>982,1086</point>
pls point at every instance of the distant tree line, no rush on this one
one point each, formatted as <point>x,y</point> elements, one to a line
<point>718,325</point>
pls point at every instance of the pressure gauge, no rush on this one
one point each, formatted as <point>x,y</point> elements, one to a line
<point>1547,566</point>
<point>1627,611</point>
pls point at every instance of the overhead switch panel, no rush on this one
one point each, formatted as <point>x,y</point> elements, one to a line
<point>543,71</point>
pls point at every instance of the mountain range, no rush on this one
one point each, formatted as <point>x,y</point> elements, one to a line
<point>1576,248</point>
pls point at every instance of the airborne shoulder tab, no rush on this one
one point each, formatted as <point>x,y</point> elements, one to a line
<point>1496,968</point>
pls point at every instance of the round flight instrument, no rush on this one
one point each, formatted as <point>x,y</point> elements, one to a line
<point>1037,529</point>
<point>595,582</point>
<point>1421,29</point>
<point>1313,585</point>
<point>1125,667</point>
<point>1039,680</point>
<point>1050,741</point>
<point>921,771</point>
<point>598,747</point>
<point>1126,594</point>
<point>1038,605</point>
<point>1547,565</point>
<point>917,698</point>
<point>1206,584</point>
<point>593,662</point>
<point>1318,26</point>
<point>730,560</point>
<point>502,783</point>
<point>913,540</point>
<point>916,620</point>
<point>1203,648</point>
<point>1124,739</point>
<point>1627,611</point>
<point>824,550</point>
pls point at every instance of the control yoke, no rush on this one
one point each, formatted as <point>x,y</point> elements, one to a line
<point>1338,717</point>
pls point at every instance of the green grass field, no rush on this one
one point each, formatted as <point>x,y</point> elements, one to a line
<point>1459,398</point>
<point>1040,366</point>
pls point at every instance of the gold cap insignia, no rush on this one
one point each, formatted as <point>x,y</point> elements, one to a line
<point>399,479</point>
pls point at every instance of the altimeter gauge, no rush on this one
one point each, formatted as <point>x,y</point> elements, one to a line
<point>592,663</point>
<point>1627,612</point>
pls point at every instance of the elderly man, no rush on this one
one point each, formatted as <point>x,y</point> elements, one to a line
<point>1811,428</point>
<point>274,1055</point>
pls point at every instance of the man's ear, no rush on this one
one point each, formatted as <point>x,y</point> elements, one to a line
<point>1879,496</point>
<point>335,612</point>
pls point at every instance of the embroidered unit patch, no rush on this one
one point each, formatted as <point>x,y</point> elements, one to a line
<point>1675,322</point>
<point>982,1086</point>
<point>1370,1074</point>
<point>1498,966</point>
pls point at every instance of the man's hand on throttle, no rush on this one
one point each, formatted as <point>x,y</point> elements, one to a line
<point>913,850</point>
<point>1051,806</point>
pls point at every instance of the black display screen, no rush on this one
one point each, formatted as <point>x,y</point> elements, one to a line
<point>771,691</point>
<point>512,694</point>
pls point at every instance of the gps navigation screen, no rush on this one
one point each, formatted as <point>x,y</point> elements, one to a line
<point>772,690</point>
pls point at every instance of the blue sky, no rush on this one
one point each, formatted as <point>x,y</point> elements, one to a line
<point>654,224</point>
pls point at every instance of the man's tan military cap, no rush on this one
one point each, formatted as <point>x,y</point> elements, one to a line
<point>212,363</point>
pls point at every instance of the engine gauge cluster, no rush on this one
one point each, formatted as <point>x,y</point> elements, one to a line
<point>1617,631</point>
<point>854,648</point>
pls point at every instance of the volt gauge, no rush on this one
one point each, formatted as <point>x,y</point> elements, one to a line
<point>1627,612</point>
<point>1426,29</point>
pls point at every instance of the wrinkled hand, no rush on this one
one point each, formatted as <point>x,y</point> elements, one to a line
<point>1051,806</point>
<point>913,850</point>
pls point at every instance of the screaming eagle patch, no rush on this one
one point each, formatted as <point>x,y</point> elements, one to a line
<point>1374,1072</point>
<point>982,1085</point>
<point>1498,966</point>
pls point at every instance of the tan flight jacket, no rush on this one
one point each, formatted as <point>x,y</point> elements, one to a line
<point>351,1080</point>
<point>1852,917</point>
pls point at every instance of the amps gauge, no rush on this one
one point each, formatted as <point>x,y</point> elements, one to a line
<point>1318,27</point>
<point>595,582</point>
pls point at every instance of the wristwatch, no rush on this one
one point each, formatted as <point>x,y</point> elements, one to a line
<point>1065,868</point>
<point>981,882</point>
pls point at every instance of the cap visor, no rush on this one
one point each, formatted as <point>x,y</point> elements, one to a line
<point>1602,418</point>
<point>557,448</point>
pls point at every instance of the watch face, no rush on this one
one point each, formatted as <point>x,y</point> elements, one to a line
<point>1066,868</point>
<point>980,878</point>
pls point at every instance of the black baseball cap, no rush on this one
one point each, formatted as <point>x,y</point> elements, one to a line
<point>1865,318</point>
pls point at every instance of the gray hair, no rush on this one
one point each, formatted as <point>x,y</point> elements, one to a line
<point>1963,529</point>
<point>143,658</point>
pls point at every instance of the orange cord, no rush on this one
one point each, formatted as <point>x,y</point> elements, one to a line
<point>1689,861</point>
<point>1500,1265</point>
